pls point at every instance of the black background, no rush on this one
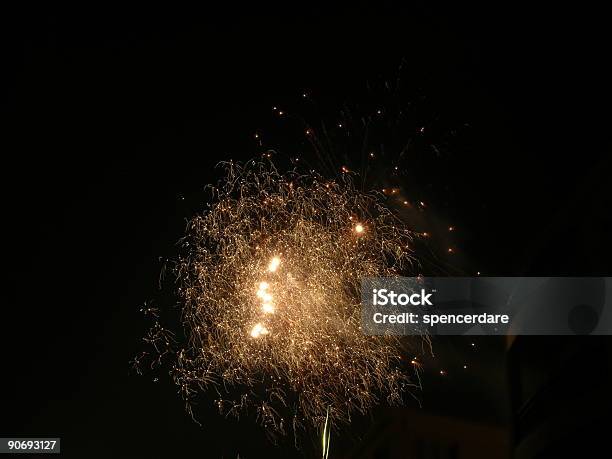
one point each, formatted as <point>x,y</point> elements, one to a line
<point>110,115</point>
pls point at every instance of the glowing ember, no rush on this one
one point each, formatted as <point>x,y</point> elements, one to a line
<point>258,330</point>
<point>273,266</point>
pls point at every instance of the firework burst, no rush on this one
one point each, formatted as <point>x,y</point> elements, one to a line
<point>270,298</point>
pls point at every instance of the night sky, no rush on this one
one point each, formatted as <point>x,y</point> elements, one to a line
<point>111,116</point>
